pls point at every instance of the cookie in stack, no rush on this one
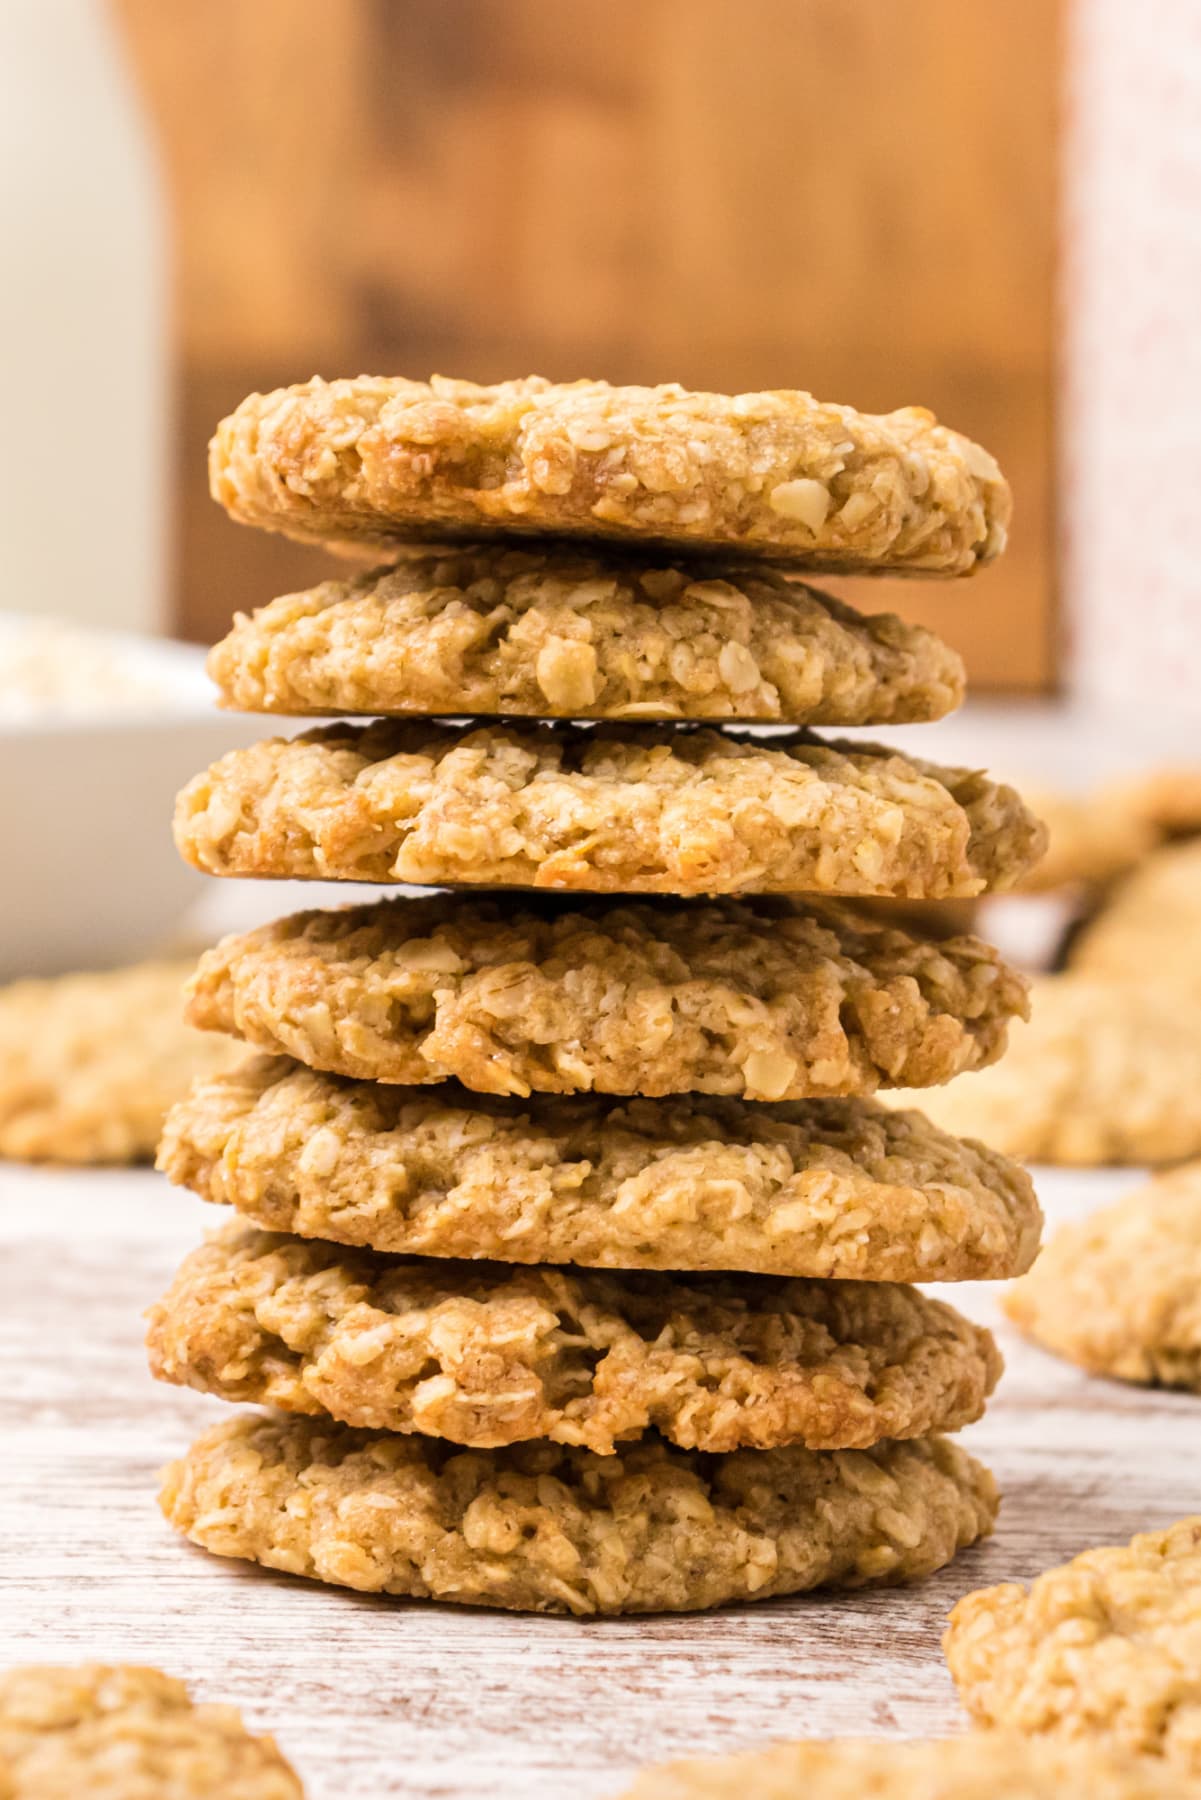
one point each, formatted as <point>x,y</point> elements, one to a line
<point>573,1249</point>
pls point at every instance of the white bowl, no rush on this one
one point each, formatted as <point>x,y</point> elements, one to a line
<point>89,876</point>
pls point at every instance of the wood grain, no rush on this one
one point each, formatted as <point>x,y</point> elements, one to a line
<point>374,1698</point>
<point>832,194</point>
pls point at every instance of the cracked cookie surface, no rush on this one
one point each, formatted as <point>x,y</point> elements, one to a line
<point>541,1528</point>
<point>127,1733</point>
<point>1119,1292</point>
<point>90,1063</point>
<point>368,460</point>
<point>776,1002</point>
<point>834,1189</point>
<point>1106,1647</point>
<point>563,633</point>
<point>487,1354</point>
<point>604,809</point>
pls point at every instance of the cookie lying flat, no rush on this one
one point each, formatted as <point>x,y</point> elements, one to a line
<point>775,474</point>
<point>566,633</point>
<point>485,1354</point>
<point>844,1189</point>
<point>1167,798</point>
<point>1120,1292</point>
<point>607,809</point>
<point>988,1765</point>
<point>1107,1647</point>
<point>126,1733</point>
<point>538,1528</point>
<point>812,1188</point>
<point>89,1064</point>
<point>1090,843</point>
<point>1151,928</point>
<point>1105,1072</point>
<point>777,1002</point>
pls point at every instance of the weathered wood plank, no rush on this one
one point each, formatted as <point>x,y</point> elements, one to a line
<point>375,1697</point>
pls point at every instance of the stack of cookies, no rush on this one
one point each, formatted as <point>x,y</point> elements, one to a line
<point>573,1249</point>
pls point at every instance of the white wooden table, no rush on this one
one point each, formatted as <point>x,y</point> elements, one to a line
<point>375,1697</point>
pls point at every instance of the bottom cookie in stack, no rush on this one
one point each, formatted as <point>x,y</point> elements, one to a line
<point>588,1439</point>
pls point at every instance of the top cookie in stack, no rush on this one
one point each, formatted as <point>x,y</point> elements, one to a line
<point>764,1419</point>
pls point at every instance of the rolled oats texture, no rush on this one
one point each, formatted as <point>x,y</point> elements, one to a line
<point>540,1528</point>
<point>1105,1648</point>
<point>606,809</point>
<point>573,633</point>
<point>775,1002</point>
<point>485,1354</point>
<point>127,1733</point>
<point>1106,1071</point>
<point>834,1189</point>
<point>781,475</point>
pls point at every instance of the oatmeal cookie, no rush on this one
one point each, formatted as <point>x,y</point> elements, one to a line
<point>988,1765</point>
<point>376,459</point>
<point>1167,798</point>
<point>89,1064</point>
<point>127,1733</point>
<point>566,633</point>
<point>1105,1072</point>
<point>541,1528</point>
<point>1106,1647</point>
<point>607,809</point>
<point>1120,1292</point>
<point>1089,842</point>
<point>775,1002</point>
<point>485,1354</point>
<point>839,1189</point>
<point>1151,928</point>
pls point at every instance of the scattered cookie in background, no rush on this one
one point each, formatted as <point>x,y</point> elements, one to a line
<point>1106,1072</point>
<point>127,1733</point>
<point>1167,798</point>
<point>1150,929</point>
<point>1120,1292</point>
<point>1105,1648</point>
<point>90,1063</point>
<point>988,1765</point>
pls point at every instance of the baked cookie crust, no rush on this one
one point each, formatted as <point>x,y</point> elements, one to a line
<point>1105,1072</point>
<point>1120,1291</point>
<point>375,459</point>
<point>127,1733</point>
<point>540,1528</point>
<point>566,633</point>
<point>774,1002</point>
<point>485,1354</point>
<point>604,809</point>
<point>1106,1647</point>
<point>992,1765</point>
<point>846,1189</point>
<point>90,1063</point>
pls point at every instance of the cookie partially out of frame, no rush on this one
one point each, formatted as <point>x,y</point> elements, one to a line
<point>1150,930</point>
<point>1106,1648</point>
<point>569,633</point>
<point>367,460</point>
<point>987,1765</point>
<point>486,1354</point>
<point>774,1002</point>
<point>1119,1292</point>
<point>90,1063</point>
<point>128,1733</point>
<point>1107,1071</point>
<point>540,1528</point>
<point>604,809</point>
<point>844,1189</point>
